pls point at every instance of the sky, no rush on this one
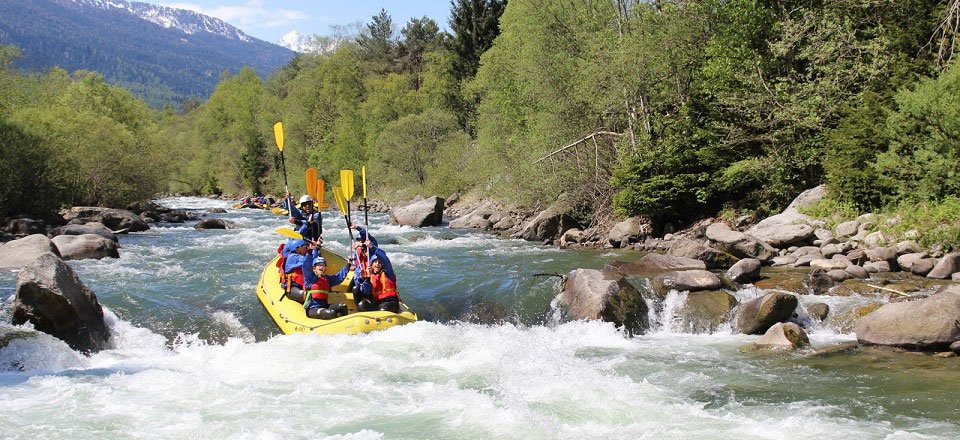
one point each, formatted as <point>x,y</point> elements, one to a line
<point>269,20</point>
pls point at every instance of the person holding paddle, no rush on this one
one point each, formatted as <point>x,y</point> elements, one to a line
<point>307,220</point>
<point>318,291</point>
<point>375,288</point>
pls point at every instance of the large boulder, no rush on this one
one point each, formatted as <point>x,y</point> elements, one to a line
<point>654,263</point>
<point>426,212</point>
<point>759,314</point>
<point>631,230</point>
<point>51,296</point>
<point>926,324</point>
<point>738,244</point>
<point>685,280</point>
<point>745,271</point>
<point>115,219</point>
<point>18,253</point>
<point>783,336</point>
<point>592,294</point>
<point>22,227</point>
<point>87,228</point>
<point>86,246</point>
<point>214,223</point>
<point>712,257</point>
<point>481,217</point>
<point>783,235</point>
<point>550,223</point>
<point>705,312</point>
<point>946,267</point>
<point>790,226</point>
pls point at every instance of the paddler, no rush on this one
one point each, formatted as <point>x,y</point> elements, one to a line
<point>365,251</point>
<point>295,256</point>
<point>318,292</point>
<point>307,221</point>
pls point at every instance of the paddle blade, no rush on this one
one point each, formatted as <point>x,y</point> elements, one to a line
<point>278,134</point>
<point>346,182</point>
<point>363,179</point>
<point>312,183</point>
<point>338,197</point>
<point>289,233</point>
<point>320,189</point>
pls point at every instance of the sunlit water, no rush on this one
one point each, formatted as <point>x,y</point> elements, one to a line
<point>196,356</point>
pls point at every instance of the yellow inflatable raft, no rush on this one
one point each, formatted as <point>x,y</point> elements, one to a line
<point>291,318</point>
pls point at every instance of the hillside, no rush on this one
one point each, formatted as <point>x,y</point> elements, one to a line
<point>163,55</point>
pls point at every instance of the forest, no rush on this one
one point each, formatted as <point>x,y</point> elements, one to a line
<point>674,110</point>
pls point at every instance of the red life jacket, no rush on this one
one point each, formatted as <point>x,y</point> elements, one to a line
<point>361,262</point>
<point>296,275</point>
<point>383,286</point>
<point>320,290</point>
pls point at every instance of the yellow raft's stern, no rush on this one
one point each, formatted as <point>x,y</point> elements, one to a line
<point>291,317</point>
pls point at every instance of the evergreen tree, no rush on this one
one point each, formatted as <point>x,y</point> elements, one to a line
<point>475,24</point>
<point>378,43</point>
<point>420,35</point>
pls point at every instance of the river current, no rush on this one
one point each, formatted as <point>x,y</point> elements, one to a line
<point>196,356</point>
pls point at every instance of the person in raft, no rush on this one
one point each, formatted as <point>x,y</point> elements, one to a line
<point>318,292</point>
<point>306,220</point>
<point>377,288</point>
<point>295,255</point>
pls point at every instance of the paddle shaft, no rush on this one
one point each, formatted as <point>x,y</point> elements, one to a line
<point>286,190</point>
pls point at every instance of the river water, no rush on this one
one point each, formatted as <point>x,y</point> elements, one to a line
<point>196,356</point>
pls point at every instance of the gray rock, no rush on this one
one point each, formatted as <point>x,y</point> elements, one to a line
<point>784,260</point>
<point>705,312</point>
<point>818,311</point>
<point>571,236</point>
<point>115,219</point>
<point>830,250</point>
<point>823,234</point>
<point>846,229</point>
<point>745,271</point>
<point>215,223</point>
<point>946,267</point>
<point>923,266</point>
<point>838,275</point>
<point>22,227</point>
<point>781,236</point>
<point>21,252</point>
<point>631,230</point>
<point>592,294</point>
<point>955,347</point>
<point>820,282</point>
<point>783,336</point>
<point>857,272</point>
<point>551,223</point>
<point>805,260</point>
<point>505,223</point>
<point>830,264</point>
<point>89,228</point>
<point>759,314</point>
<point>808,251</point>
<point>484,217</point>
<point>86,246</point>
<point>685,280</point>
<point>926,324</point>
<point>654,263</point>
<point>426,212</point>
<point>51,296</point>
<point>217,211</point>
<point>452,199</point>
<point>738,244</point>
<point>908,247</point>
<point>906,261</point>
<point>887,254</point>
<point>876,239</point>
<point>877,266</point>
<point>712,257</point>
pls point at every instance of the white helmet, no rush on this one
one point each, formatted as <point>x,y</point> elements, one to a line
<point>305,199</point>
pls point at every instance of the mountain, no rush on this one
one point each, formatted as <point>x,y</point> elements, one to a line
<point>162,54</point>
<point>303,43</point>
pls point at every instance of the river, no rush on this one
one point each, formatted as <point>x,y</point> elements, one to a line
<point>196,356</point>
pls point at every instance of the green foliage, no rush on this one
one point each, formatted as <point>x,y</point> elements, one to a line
<point>378,44</point>
<point>474,27</point>
<point>29,183</point>
<point>852,151</point>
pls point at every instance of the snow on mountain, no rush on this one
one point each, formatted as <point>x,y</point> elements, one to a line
<point>302,43</point>
<point>188,22</point>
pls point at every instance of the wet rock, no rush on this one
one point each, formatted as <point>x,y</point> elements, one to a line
<point>628,231</point>
<point>846,322</point>
<point>783,336</point>
<point>654,263</point>
<point>21,252</point>
<point>856,272</point>
<point>696,250</point>
<point>115,219</point>
<point>926,324</point>
<point>592,294</point>
<point>686,280</point>
<point>51,296</point>
<point>216,211</point>
<point>88,228</point>
<point>818,311</point>
<point>86,246</point>
<point>705,312</point>
<point>923,266</point>
<point>426,212</point>
<point>759,314</point>
<point>22,227</point>
<point>738,244</point>
<point>214,223</point>
<point>745,271</point>
<point>838,275</point>
<point>946,267</point>
<point>551,223</point>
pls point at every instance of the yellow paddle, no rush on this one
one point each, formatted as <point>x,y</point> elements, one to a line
<point>342,204</point>
<point>346,188</point>
<point>312,183</point>
<point>289,233</point>
<point>320,189</point>
<point>278,136</point>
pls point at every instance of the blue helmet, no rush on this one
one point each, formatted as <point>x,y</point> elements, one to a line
<point>319,260</point>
